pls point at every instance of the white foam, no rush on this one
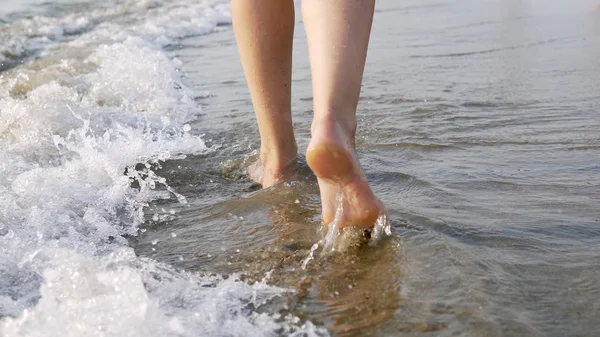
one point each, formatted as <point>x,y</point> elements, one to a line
<point>122,295</point>
<point>102,97</point>
<point>160,22</point>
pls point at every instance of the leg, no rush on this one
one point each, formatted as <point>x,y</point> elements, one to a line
<point>338,36</point>
<point>264,32</point>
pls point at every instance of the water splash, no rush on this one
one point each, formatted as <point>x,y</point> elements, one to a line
<point>84,126</point>
<point>341,240</point>
<point>311,255</point>
<point>381,229</point>
<point>333,231</point>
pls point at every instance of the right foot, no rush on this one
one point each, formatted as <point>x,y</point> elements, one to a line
<point>333,159</point>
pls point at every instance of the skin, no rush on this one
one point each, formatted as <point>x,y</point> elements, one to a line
<point>264,30</point>
<point>338,36</point>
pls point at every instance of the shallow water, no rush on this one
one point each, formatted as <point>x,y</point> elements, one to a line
<point>126,129</point>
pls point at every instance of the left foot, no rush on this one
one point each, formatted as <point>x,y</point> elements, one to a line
<point>268,172</point>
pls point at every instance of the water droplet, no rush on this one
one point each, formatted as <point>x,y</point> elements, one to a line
<point>310,256</point>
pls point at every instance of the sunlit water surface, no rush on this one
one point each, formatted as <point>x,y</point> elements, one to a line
<point>126,129</point>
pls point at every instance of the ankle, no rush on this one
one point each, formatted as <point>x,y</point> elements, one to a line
<point>277,161</point>
<point>345,120</point>
<point>338,125</point>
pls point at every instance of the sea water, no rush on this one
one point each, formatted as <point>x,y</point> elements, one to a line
<point>126,128</point>
<point>89,103</point>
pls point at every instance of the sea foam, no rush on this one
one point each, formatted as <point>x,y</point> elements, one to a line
<point>99,98</point>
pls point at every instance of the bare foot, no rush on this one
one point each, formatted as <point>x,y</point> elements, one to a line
<point>267,173</point>
<point>333,159</point>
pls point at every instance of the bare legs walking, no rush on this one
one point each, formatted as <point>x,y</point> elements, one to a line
<point>338,36</point>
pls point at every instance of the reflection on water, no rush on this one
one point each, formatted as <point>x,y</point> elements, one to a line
<point>478,129</point>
